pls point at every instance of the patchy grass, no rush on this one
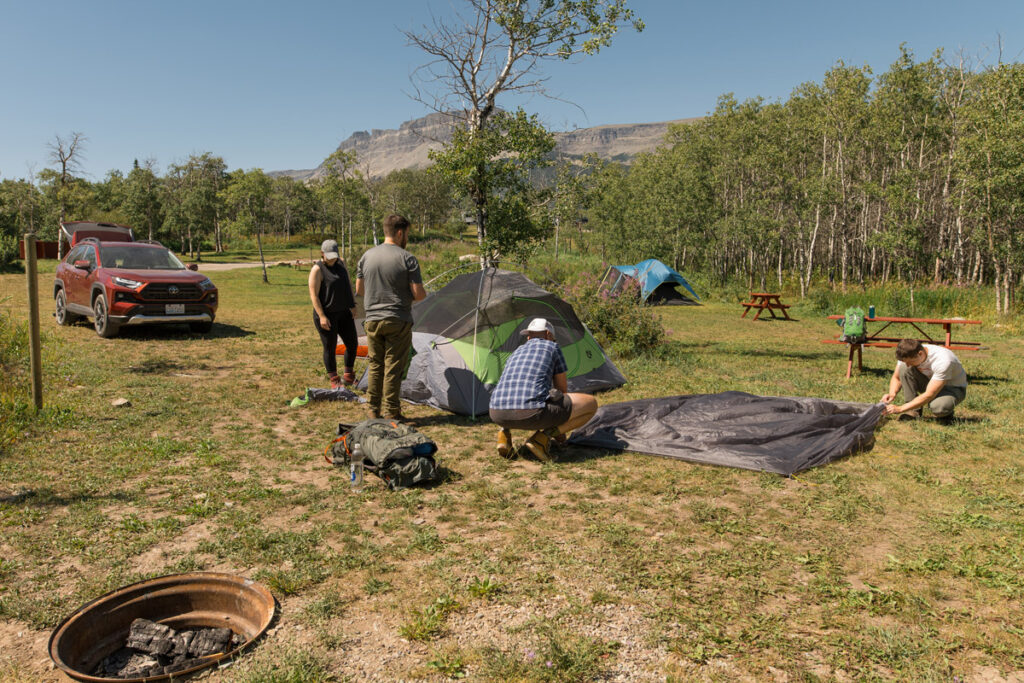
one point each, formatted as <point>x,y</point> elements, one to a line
<point>901,563</point>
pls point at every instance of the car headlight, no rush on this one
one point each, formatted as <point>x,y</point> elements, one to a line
<point>125,282</point>
<point>206,285</point>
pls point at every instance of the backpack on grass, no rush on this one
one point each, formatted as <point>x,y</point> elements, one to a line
<point>395,452</point>
<point>854,331</point>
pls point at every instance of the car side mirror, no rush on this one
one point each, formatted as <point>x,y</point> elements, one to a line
<point>82,263</point>
<point>192,266</point>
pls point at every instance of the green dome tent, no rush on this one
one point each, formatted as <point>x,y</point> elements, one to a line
<point>465,331</point>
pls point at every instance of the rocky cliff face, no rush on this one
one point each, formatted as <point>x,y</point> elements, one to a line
<point>382,151</point>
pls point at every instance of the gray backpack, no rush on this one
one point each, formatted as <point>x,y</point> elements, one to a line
<point>395,452</point>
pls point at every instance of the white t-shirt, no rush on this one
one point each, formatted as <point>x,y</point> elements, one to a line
<point>941,363</point>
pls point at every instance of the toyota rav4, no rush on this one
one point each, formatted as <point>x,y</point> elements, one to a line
<point>130,283</point>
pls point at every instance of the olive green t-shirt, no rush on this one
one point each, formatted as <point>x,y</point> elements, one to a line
<point>387,270</point>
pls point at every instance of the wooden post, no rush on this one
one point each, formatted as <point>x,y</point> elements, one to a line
<point>35,356</point>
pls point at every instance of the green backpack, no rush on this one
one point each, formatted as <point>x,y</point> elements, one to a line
<point>854,331</point>
<point>395,452</point>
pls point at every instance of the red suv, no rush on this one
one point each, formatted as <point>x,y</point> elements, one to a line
<point>131,283</point>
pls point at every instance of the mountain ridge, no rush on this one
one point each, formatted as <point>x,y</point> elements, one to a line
<point>382,151</point>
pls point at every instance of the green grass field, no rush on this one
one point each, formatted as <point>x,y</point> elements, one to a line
<point>902,563</point>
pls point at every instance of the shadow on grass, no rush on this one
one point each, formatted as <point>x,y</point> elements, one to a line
<point>958,420</point>
<point>783,353</point>
<point>46,497</point>
<point>876,372</point>
<point>985,379</point>
<point>571,453</point>
<point>447,420</point>
<point>167,332</point>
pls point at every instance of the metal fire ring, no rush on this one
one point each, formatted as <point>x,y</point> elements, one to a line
<point>194,600</point>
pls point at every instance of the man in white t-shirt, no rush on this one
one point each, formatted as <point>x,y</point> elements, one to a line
<point>929,375</point>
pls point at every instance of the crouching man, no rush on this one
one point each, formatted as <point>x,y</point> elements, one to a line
<point>532,394</point>
<point>929,375</point>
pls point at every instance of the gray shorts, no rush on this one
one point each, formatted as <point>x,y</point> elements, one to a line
<point>555,412</point>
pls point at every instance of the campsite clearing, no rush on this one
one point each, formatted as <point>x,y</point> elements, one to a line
<point>900,563</point>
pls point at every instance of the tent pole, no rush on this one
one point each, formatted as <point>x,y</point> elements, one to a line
<point>476,326</point>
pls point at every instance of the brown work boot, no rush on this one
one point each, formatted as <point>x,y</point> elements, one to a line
<point>349,378</point>
<point>505,443</point>
<point>538,445</point>
<point>335,380</point>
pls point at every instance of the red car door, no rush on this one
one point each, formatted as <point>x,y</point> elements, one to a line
<point>83,278</point>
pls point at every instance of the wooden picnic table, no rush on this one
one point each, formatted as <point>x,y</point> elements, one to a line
<point>877,340</point>
<point>765,300</point>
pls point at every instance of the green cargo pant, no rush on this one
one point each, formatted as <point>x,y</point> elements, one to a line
<point>388,345</point>
<point>915,382</point>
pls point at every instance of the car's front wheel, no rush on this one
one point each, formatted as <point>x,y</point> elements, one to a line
<point>60,312</point>
<point>101,318</point>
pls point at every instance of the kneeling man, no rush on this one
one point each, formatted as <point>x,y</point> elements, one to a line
<point>532,394</point>
<point>929,375</point>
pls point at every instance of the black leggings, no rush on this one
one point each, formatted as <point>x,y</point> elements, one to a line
<point>341,324</point>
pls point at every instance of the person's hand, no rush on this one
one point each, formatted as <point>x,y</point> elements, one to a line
<point>888,398</point>
<point>892,410</point>
<point>325,323</point>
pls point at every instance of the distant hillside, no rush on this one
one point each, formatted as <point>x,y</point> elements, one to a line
<point>382,151</point>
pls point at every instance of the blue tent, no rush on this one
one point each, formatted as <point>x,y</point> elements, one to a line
<point>657,282</point>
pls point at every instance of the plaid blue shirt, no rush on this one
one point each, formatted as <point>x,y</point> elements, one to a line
<point>526,379</point>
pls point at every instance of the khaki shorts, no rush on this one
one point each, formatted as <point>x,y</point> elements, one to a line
<point>555,412</point>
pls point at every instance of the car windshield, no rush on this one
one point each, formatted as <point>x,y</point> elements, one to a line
<point>139,258</point>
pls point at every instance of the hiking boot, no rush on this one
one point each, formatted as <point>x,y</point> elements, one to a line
<point>335,380</point>
<point>505,443</point>
<point>349,378</point>
<point>946,420</point>
<point>538,445</point>
<point>908,416</point>
<point>397,417</point>
<point>374,413</point>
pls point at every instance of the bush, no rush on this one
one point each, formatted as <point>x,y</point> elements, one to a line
<point>8,253</point>
<point>618,321</point>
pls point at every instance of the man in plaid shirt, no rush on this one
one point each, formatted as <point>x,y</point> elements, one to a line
<point>532,394</point>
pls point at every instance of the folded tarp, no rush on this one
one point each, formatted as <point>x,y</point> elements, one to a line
<point>735,429</point>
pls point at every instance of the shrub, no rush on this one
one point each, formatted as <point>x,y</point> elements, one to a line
<point>618,321</point>
<point>8,253</point>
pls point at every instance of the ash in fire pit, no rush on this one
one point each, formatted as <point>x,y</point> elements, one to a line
<point>154,649</point>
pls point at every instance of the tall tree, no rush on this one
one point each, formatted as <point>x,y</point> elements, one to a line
<point>66,153</point>
<point>142,198</point>
<point>193,202</point>
<point>495,47</point>
<point>247,197</point>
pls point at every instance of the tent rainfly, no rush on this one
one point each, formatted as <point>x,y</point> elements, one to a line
<point>658,283</point>
<point>780,434</point>
<point>464,332</point>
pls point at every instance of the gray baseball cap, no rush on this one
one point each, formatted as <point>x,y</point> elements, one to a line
<point>330,249</point>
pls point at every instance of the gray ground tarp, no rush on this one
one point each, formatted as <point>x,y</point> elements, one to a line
<point>774,434</point>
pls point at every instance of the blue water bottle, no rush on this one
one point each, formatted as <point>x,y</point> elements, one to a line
<point>871,311</point>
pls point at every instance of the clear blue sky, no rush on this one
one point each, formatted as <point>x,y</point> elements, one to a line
<point>277,85</point>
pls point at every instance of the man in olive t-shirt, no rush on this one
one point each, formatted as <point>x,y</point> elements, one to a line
<point>388,278</point>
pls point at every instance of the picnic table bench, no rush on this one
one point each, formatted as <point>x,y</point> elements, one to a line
<point>765,300</point>
<point>875,339</point>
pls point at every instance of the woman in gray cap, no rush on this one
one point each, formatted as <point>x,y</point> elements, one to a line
<point>334,310</point>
